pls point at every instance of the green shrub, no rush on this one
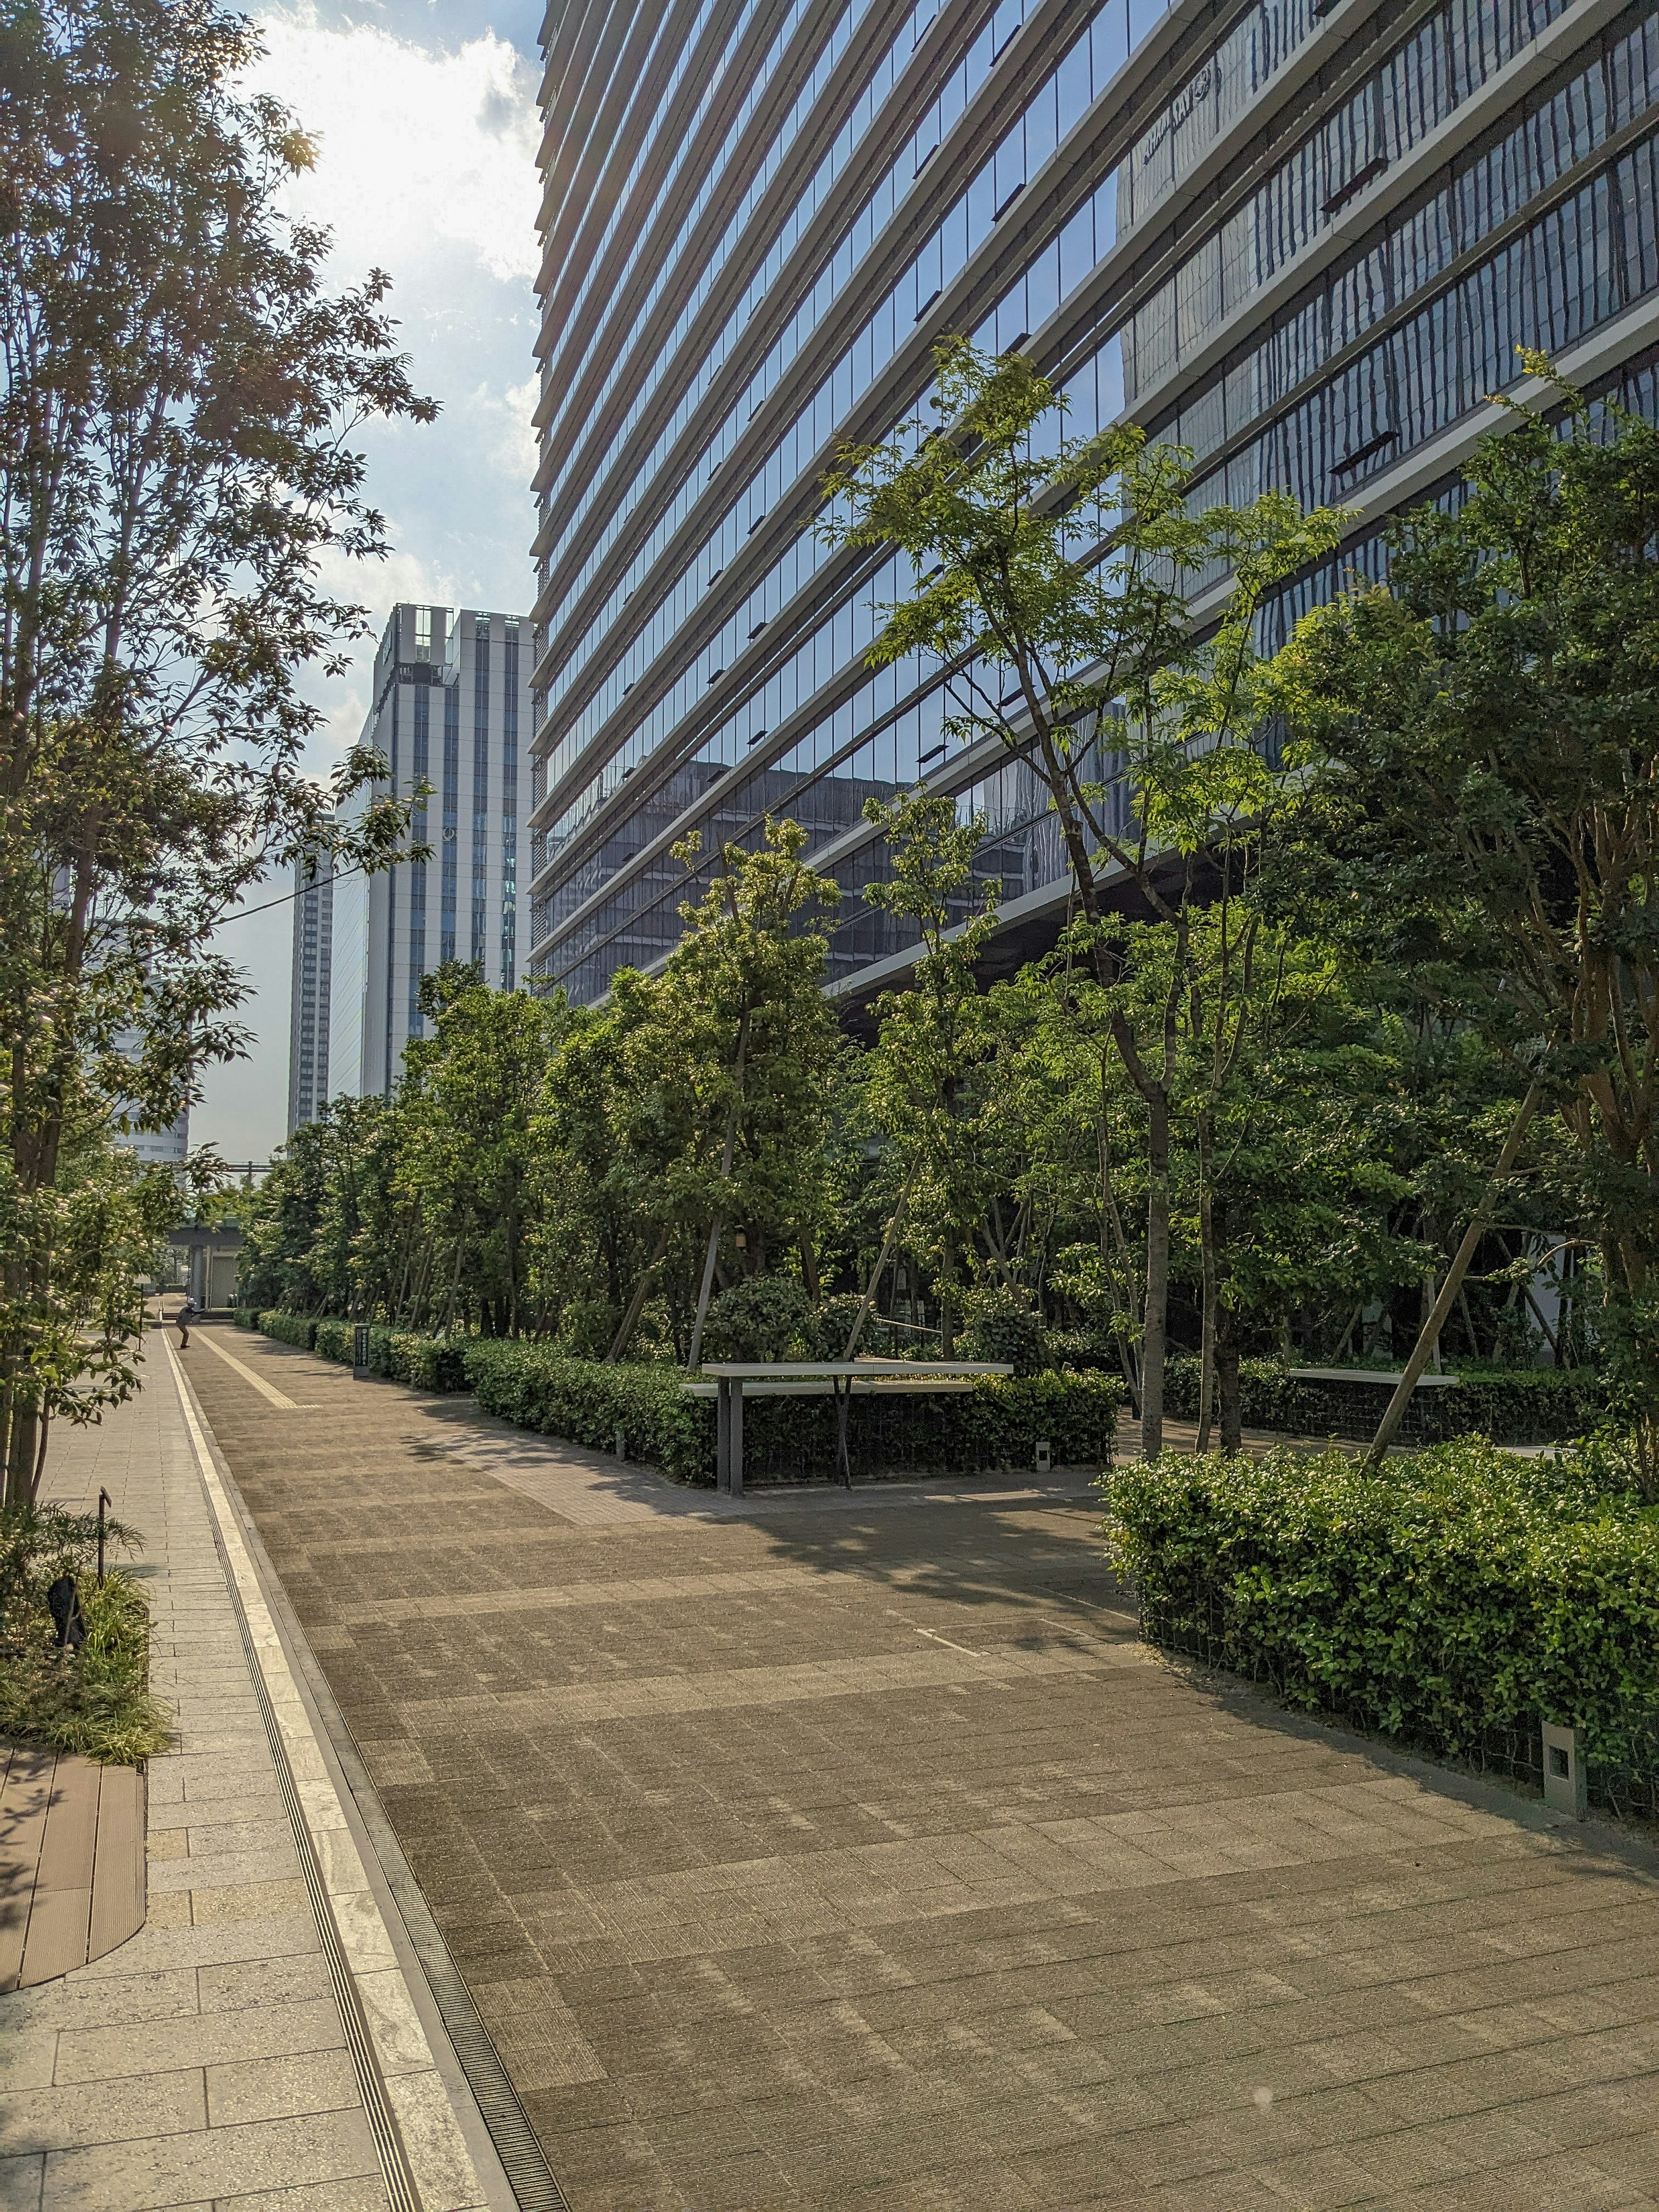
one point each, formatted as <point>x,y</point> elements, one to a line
<point>995,1423</point>
<point>759,1318</point>
<point>97,1701</point>
<point>827,1326</point>
<point>247,1317</point>
<point>1450,1592</point>
<point>1511,1406</point>
<point>998,1324</point>
<point>1084,1350</point>
<point>298,1329</point>
<point>425,1362</point>
<point>333,1339</point>
<point>586,1402</point>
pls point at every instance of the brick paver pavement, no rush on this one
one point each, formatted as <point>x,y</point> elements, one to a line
<point>205,2064</point>
<point>853,1852</point>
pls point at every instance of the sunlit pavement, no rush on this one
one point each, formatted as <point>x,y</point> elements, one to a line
<point>853,1852</point>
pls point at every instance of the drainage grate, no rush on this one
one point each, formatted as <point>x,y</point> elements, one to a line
<point>527,2168</point>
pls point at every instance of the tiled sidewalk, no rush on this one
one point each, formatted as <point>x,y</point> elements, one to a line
<point>207,2061</point>
<point>851,1853</point>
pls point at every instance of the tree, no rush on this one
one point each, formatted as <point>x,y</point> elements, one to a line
<point>726,1071</point>
<point>178,398</point>
<point>917,1081</point>
<point>1487,726</point>
<point>470,1091</point>
<point>1055,577</point>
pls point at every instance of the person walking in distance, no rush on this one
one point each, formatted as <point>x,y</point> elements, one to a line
<point>185,1315</point>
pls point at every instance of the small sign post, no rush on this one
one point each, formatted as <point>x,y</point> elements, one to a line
<point>360,1352</point>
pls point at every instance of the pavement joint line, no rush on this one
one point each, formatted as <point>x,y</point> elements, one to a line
<point>385,2037</point>
<point>963,1648</point>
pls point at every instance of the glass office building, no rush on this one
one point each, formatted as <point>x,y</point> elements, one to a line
<point>451,700</point>
<point>1302,237</point>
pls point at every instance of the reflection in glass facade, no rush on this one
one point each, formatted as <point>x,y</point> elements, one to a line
<point>1302,237</point>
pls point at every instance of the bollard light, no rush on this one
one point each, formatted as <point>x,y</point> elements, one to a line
<point>1044,1456</point>
<point>1563,1770</point>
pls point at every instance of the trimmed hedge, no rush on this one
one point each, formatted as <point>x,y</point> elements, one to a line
<point>997,1423</point>
<point>247,1316</point>
<point>426,1363</point>
<point>1451,1593</point>
<point>1512,1406</point>
<point>297,1329</point>
<point>584,1402</point>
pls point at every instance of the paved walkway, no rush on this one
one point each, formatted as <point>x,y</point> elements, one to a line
<point>259,2044</point>
<point>851,1852</point>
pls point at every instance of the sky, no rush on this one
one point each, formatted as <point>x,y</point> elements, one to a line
<point>425,118</point>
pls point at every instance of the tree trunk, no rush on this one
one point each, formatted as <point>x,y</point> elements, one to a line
<point>454,1287</point>
<point>1155,1324</point>
<point>630,1319</point>
<point>1431,1291</point>
<point>863,1314</point>
<point>1228,1392</point>
<point>23,1456</point>
<point>695,1358</point>
<point>1429,1335</point>
<point>1111,1219</point>
<point>1208,1271</point>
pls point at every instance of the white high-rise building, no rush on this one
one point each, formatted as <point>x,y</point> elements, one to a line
<point>309,1017</point>
<point>168,1147</point>
<point>450,696</point>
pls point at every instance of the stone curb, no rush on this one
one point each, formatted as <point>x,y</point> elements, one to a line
<point>424,2156</point>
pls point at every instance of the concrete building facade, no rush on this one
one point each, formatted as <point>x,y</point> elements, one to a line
<point>451,699</point>
<point>308,1002</point>
<point>1304,238</point>
<point>168,1147</point>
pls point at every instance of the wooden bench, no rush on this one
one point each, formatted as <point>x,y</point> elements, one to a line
<point>71,1861</point>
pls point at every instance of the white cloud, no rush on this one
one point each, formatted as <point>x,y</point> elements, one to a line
<point>426,167</point>
<point>414,145</point>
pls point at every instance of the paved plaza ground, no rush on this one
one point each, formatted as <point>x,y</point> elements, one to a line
<point>262,2044</point>
<point>853,1852</point>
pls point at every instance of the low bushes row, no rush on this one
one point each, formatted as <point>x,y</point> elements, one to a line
<point>1512,1406</point>
<point>997,1423</point>
<point>584,1402</point>
<point>1449,1594</point>
<point>298,1329</point>
<point>426,1363</point>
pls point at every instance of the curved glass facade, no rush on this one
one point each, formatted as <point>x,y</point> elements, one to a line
<point>1304,239</point>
